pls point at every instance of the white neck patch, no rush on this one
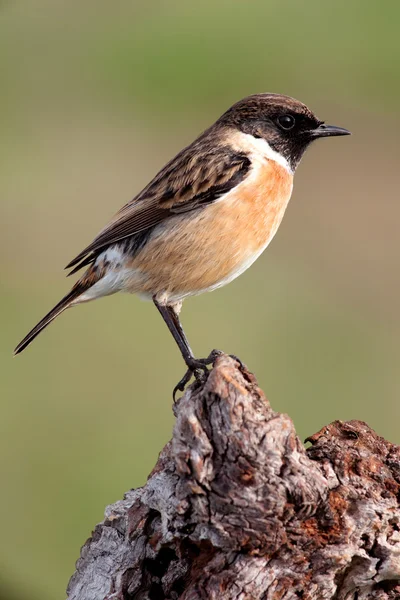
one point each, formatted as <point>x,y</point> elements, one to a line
<point>258,148</point>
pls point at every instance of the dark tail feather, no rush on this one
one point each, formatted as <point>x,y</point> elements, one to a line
<point>57,310</point>
<point>84,263</point>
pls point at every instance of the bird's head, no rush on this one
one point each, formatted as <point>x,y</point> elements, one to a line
<point>286,124</point>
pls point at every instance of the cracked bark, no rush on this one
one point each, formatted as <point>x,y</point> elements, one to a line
<point>237,508</point>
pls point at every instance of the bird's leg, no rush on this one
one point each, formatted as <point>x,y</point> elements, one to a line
<point>170,316</point>
<point>196,367</point>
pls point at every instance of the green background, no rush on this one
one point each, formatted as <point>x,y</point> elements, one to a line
<point>95,98</point>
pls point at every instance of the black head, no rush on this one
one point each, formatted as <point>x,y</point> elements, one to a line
<point>285,123</point>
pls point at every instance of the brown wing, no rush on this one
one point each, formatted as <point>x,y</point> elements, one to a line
<point>197,176</point>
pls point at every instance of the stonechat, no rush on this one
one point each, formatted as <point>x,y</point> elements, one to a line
<point>203,219</point>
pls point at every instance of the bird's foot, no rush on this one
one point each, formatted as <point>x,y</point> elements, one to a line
<point>210,360</point>
<point>197,367</point>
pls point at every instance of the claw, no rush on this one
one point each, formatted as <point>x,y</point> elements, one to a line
<point>198,369</point>
<point>241,365</point>
<point>180,386</point>
<point>210,360</point>
<point>199,374</point>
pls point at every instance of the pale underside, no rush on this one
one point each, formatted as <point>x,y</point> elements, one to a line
<point>200,251</point>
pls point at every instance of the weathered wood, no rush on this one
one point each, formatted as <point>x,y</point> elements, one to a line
<point>237,508</point>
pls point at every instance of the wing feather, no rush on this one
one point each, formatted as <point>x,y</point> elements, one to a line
<point>197,176</point>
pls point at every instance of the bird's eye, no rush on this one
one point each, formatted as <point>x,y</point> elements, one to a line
<point>286,122</point>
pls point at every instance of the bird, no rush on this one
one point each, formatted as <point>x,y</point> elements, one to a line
<point>204,218</point>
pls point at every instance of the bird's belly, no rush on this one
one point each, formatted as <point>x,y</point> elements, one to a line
<point>203,250</point>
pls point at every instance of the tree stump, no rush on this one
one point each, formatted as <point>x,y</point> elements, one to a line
<point>237,508</point>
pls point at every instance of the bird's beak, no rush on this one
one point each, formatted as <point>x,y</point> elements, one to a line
<point>328,130</point>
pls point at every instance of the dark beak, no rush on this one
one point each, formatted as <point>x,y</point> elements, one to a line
<point>327,130</point>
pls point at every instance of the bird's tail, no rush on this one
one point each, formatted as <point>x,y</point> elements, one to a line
<point>65,303</point>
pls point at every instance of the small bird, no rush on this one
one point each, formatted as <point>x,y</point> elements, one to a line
<point>203,219</point>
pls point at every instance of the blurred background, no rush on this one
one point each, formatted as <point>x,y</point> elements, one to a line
<point>95,98</point>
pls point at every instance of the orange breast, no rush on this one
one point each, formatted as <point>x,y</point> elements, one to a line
<point>199,251</point>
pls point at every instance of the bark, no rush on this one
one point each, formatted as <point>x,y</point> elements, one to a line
<point>237,508</point>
